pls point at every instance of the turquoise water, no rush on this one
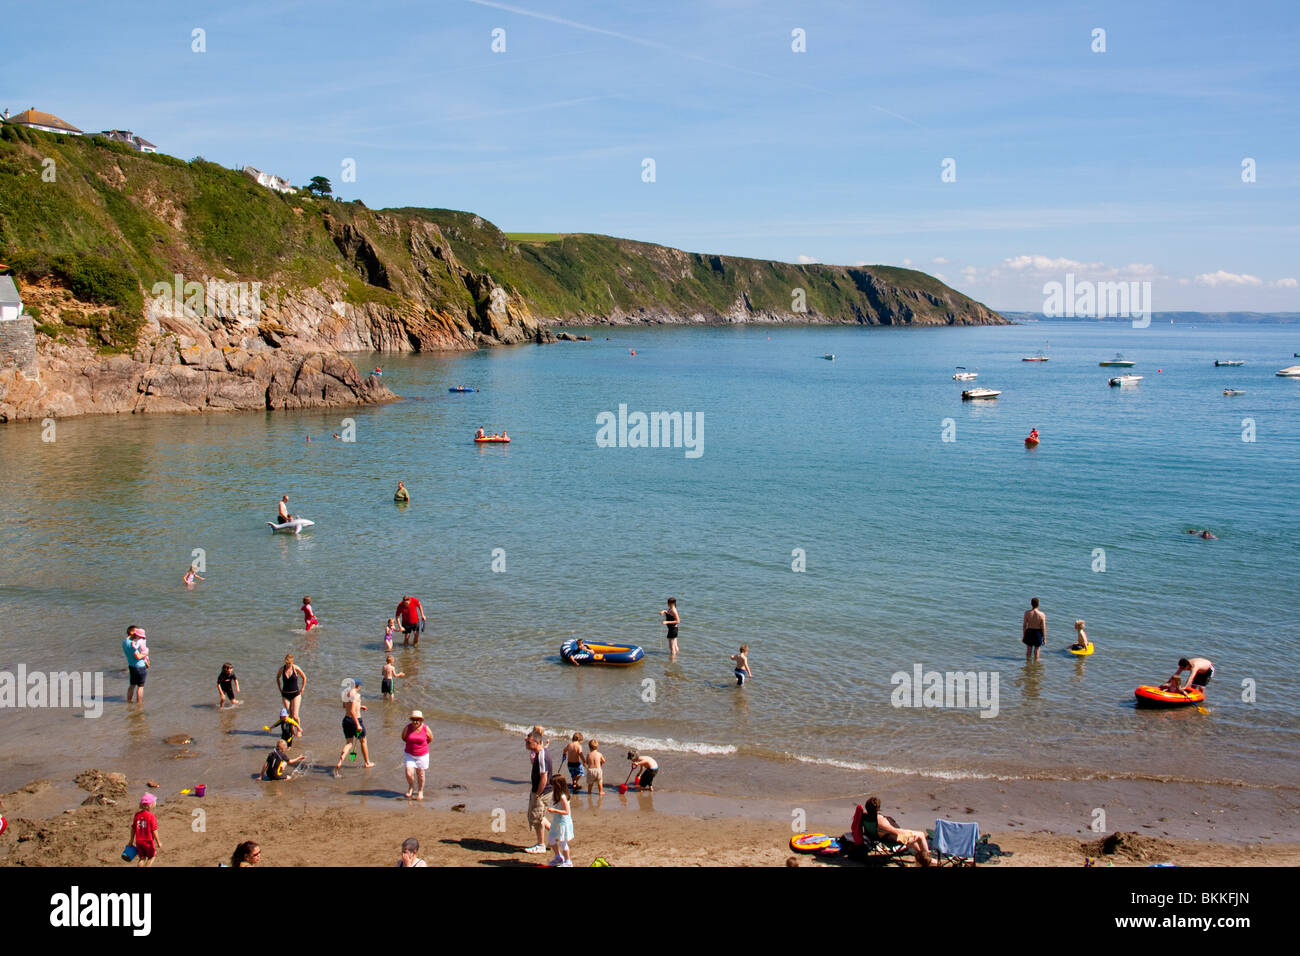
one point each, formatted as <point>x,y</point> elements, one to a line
<point>918,550</point>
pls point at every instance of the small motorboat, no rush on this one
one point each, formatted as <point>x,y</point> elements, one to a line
<point>462,388</point>
<point>291,527</point>
<point>977,393</point>
<point>961,375</point>
<point>1228,363</point>
<point>1234,391</point>
<point>1040,357</point>
<point>1292,371</point>
<point>1150,696</point>
<point>829,356</point>
<point>611,655</point>
<point>1118,361</point>
<point>1121,380</point>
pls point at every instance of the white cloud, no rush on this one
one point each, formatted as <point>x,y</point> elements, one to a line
<point>806,260</point>
<point>1226,278</point>
<point>907,262</point>
<point>1287,284</point>
<point>1039,263</point>
<point>940,260</point>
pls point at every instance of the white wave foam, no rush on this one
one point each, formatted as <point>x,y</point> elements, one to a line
<point>648,744</point>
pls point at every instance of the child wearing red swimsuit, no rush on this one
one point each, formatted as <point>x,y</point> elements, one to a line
<point>308,617</point>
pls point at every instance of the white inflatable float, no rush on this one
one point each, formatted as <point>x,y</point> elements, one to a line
<point>291,527</point>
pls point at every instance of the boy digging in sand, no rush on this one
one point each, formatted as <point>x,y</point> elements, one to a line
<point>647,766</point>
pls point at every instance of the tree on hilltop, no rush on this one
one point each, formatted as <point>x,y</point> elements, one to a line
<point>320,186</point>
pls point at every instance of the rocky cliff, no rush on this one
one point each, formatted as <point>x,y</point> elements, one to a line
<point>161,285</point>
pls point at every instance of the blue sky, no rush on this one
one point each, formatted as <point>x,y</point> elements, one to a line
<point>1125,164</point>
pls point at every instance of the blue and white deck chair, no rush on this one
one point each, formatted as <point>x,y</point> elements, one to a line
<point>956,842</point>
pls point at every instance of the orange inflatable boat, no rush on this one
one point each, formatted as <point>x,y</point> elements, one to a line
<point>1151,696</point>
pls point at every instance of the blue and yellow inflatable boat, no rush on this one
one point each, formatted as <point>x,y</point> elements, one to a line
<point>616,655</point>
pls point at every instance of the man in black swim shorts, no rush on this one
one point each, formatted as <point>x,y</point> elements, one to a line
<point>1033,631</point>
<point>354,731</point>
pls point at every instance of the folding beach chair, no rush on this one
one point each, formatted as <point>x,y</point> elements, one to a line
<point>864,842</point>
<point>954,843</point>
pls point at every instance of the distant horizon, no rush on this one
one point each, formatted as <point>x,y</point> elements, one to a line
<point>999,150</point>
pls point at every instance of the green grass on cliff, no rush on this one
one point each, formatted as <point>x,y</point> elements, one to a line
<point>109,222</point>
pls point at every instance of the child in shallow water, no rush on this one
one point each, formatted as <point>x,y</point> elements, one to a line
<point>308,615</point>
<point>388,633</point>
<point>1081,638</point>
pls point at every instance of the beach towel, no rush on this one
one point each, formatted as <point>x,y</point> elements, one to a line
<point>956,839</point>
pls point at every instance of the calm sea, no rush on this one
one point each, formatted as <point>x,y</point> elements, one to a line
<point>917,550</point>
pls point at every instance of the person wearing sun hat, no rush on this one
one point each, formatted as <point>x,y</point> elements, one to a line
<point>417,737</point>
<point>144,832</point>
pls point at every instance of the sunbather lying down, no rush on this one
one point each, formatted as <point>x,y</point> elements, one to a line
<point>911,839</point>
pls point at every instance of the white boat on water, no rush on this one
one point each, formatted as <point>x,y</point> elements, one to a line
<point>1291,371</point>
<point>1040,357</point>
<point>1229,363</point>
<point>1118,361</point>
<point>1234,391</point>
<point>1121,380</point>
<point>976,393</point>
<point>291,527</point>
<point>961,375</point>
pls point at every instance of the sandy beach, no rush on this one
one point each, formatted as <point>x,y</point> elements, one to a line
<point>57,823</point>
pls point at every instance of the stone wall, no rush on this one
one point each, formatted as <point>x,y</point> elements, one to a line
<point>18,345</point>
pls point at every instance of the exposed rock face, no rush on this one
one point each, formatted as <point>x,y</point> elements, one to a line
<point>189,365</point>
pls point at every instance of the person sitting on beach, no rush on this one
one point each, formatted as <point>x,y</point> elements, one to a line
<point>278,762</point>
<point>911,839</point>
<point>247,853</point>
<point>595,764</point>
<point>401,494</point>
<point>410,851</point>
<point>1081,641</point>
<point>647,766</point>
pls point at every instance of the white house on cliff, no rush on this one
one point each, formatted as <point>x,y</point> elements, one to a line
<point>277,183</point>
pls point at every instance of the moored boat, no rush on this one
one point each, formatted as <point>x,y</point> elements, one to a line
<point>1121,380</point>
<point>977,393</point>
<point>1292,371</point>
<point>1118,361</point>
<point>1229,363</point>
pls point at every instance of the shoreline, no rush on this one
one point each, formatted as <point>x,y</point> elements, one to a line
<point>708,810</point>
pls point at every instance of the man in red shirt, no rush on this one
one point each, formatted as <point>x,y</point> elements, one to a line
<point>410,615</point>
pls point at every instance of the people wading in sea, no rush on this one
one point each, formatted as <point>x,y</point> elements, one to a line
<point>291,681</point>
<point>1033,631</point>
<point>671,620</point>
